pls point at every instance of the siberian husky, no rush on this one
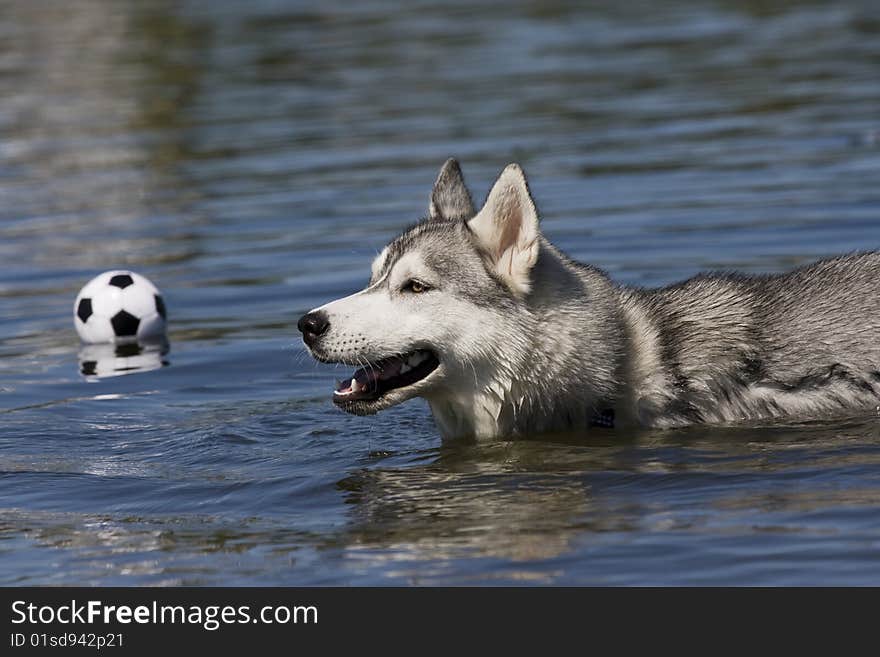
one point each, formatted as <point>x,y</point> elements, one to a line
<point>503,334</point>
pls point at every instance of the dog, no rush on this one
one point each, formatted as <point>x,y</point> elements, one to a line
<point>504,335</point>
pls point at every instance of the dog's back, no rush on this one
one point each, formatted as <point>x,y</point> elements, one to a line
<point>727,347</point>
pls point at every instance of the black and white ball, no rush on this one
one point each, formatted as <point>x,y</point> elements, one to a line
<point>119,307</point>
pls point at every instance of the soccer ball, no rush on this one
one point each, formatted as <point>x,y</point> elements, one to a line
<point>119,307</point>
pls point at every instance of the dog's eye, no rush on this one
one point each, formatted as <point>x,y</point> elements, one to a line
<point>414,286</point>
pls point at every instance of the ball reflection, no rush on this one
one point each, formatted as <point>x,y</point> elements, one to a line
<point>97,361</point>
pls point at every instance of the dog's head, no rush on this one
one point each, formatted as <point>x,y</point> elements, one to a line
<point>445,301</point>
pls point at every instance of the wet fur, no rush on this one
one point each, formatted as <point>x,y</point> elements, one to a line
<point>729,347</point>
<point>556,342</point>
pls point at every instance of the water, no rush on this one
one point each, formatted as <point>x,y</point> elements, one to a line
<point>252,157</point>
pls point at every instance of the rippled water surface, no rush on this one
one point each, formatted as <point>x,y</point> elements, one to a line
<point>251,158</point>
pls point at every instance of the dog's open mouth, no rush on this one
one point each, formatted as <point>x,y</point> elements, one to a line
<point>371,382</point>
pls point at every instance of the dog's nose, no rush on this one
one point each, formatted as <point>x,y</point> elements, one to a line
<point>312,326</point>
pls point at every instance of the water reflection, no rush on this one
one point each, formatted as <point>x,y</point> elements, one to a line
<point>500,502</point>
<point>524,511</point>
<point>100,361</point>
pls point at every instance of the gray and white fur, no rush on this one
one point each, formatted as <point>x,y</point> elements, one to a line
<point>529,340</point>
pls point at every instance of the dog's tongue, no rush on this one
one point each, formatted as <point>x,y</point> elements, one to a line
<point>376,379</point>
<point>365,379</point>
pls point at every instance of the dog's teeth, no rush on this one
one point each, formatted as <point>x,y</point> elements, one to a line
<point>355,386</point>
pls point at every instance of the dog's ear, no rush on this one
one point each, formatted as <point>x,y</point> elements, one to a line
<point>507,229</point>
<point>450,198</point>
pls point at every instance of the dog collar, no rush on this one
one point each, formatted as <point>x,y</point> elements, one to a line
<point>603,419</point>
